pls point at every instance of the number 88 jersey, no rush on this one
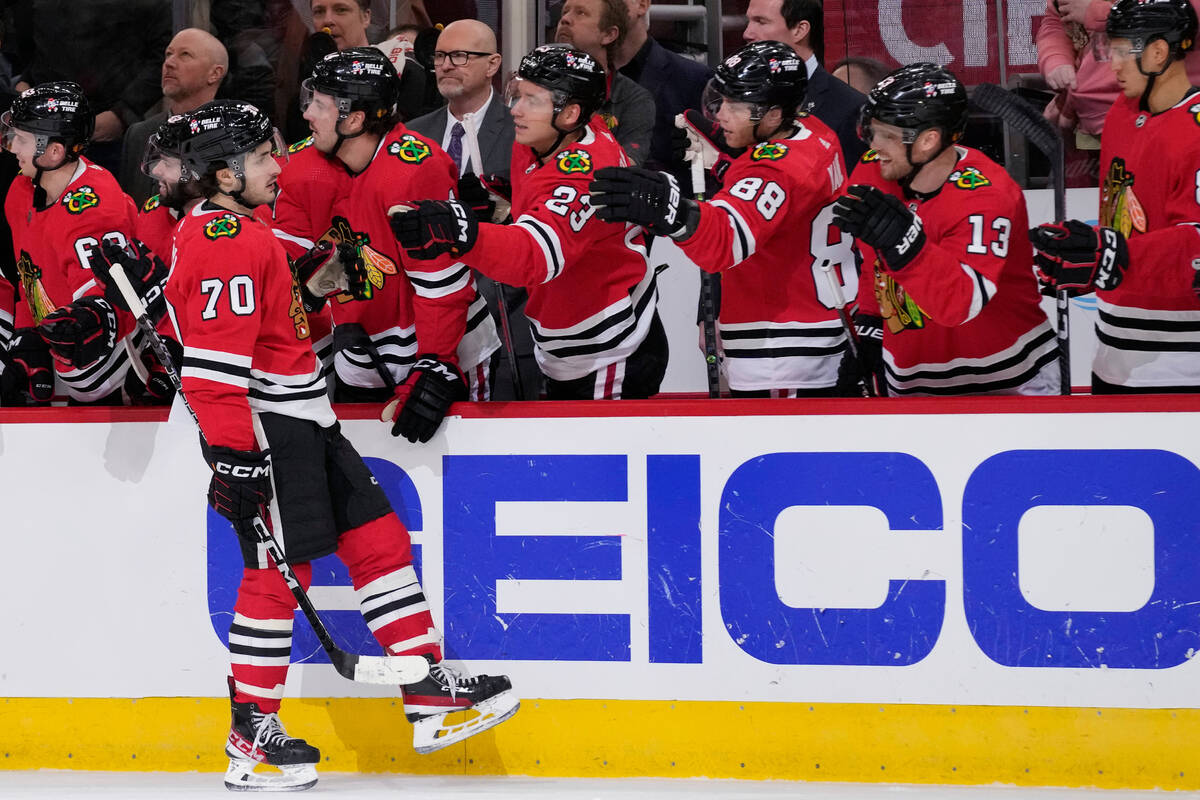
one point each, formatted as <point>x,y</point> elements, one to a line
<point>784,265</point>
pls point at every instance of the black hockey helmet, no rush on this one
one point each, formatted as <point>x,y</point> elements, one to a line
<point>219,135</point>
<point>1143,21</point>
<point>359,79</point>
<point>916,98</point>
<point>571,75</point>
<point>56,111</point>
<point>765,74</point>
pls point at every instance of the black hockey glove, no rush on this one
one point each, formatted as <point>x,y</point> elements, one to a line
<point>328,270</point>
<point>693,129</point>
<point>882,221</point>
<point>1073,255</point>
<point>158,390</point>
<point>434,228</point>
<point>240,487</point>
<point>147,275</point>
<point>868,367</point>
<point>28,377</point>
<point>81,333</point>
<point>421,402</point>
<point>644,197</point>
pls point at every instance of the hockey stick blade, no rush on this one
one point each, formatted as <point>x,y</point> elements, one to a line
<point>389,670</point>
<point>1018,113</point>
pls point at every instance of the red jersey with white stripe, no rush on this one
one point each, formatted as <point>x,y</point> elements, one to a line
<point>1149,326</point>
<point>418,307</point>
<point>54,248</point>
<point>245,336</point>
<point>769,232</point>
<point>591,291</point>
<point>964,316</point>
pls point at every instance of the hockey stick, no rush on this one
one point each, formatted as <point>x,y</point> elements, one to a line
<point>852,340</point>
<point>351,334</point>
<point>473,156</point>
<point>1015,112</point>
<point>389,670</point>
<point>708,303</point>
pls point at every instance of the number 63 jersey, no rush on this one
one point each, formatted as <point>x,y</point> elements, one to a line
<point>964,316</point>
<point>768,232</point>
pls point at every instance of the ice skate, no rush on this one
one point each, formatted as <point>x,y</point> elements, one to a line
<point>257,738</point>
<point>487,700</point>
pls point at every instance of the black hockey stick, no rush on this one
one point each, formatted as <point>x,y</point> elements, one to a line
<point>351,334</point>
<point>852,341</point>
<point>388,670</point>
<point>1015,112</point>
<point>708,301</point>
<point>506,333</point>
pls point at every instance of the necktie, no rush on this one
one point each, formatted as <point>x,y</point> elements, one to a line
<point>455,149</point>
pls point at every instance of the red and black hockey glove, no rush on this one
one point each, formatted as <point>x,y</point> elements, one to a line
<point>28,376</point>
<point>240,488</point>
<point>882,221</point>
<point>644,197</point>
<point>147,275</point>
<point>868,367</point>
<point>159,389</point>
<point>1075,256</point>
<point>693,129</point>
<point>328,270</point>
<point>434,228</point>
<point>81,333</point>
<point>421,402</point>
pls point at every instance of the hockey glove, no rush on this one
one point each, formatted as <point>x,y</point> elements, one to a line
<point>695,132</point>
<point>28,377</point>
<point>241,485</point>
<point>644,197</point>
<point>1073,255</point>
<point>146,272</point>
<point>882,221</point>
<point>158,390</point>
<point>434,228</point>
<point>330,269</point>
<point>868,367</point>
<point>421,402</point>
<point>82,333</point>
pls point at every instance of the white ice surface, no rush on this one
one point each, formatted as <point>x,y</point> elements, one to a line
<point>66,785</point>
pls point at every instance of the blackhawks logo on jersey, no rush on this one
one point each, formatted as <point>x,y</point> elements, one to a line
<point>969,178</point>
<point>869,156</point>
<point>572,162</point>
<point>297,313</point>
<point>378,265</point>
<point>409,149</point>
<point>80,200</point>
<point>768,151</point>
<point>1119,206</point>
<point>226,225</point>
<point>1195,112</point>
<point>296,147</point>
<point>150,204</point>
<point>899,311</point>
<point>30,275</point>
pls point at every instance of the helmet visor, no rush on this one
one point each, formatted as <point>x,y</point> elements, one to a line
<point>161,163</point>
<point>870,128</point>
<point>712,101</point>
<point>1116,48</point>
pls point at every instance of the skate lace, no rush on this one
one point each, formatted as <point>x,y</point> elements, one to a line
<point>452,678</point>
<point>269,731</point>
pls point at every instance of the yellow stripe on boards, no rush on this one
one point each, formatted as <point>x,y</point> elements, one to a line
<point>1110,748</point>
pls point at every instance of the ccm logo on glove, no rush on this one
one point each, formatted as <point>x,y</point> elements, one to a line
<point>241,470</point>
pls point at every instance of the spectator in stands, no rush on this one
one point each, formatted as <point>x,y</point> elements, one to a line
<point>345,20</point>
<point>112,48</point>
<point>194,65</point>
<point>674,82</point>
<point>599,27</point>
<point>466,61</point>
<point>800,25</point>
<point>860,73</point>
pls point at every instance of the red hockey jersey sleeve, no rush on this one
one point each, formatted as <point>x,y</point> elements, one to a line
<point>1163,262</point>
<point>214,297</point>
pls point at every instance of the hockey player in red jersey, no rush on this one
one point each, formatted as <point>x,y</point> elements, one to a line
<point>61,208</point>
<point>592,295</point>
<point>767,230</point>
<point>947,273</point>
<point>430,332</point>
<point>1142,259</point>
<point>275,446</point>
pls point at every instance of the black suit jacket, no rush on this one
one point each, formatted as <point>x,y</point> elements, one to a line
<point>836,103</point>
<point>675,83</point>
<point>495,134</point>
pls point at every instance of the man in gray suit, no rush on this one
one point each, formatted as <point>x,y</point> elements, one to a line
<point>465,62</point>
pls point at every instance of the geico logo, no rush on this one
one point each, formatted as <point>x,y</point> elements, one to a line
<point>241,470</point>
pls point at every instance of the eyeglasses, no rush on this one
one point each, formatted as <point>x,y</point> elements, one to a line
<point>458,58</point>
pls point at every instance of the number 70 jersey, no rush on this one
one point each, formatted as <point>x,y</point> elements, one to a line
<point>785,266</point>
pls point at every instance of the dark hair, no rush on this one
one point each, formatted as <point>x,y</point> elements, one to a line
<point>614,14</point>
<point>811,11</point>
<point>874,68</point>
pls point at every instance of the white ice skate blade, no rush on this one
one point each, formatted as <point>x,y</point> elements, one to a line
<point>241,777</point>
<point>432,733</point>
